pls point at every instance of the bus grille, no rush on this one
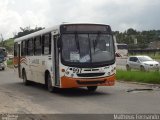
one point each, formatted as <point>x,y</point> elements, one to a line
<point>90,82</point>
<point>90,74</point>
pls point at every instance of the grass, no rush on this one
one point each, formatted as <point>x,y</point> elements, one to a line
<point>9,62</point>
<point>138,76</point>
<point>157,57</point>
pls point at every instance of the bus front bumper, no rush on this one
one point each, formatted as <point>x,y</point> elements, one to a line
<point>67,82</point>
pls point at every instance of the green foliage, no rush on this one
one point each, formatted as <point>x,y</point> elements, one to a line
<point>9,62</point>
<point>137,76</point>
<point>26,31</point>
<point>8,44</point>
<point>143,38</point>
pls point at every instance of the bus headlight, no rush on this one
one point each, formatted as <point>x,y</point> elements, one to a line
<point>63,70</point>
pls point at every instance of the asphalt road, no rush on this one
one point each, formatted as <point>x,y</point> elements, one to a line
<point>17,98</point>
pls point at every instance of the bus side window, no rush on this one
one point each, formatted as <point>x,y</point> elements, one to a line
<point>23,48</point>
<point>46,44</point>
<point>38,46</point>
<point>16,49</point>
<point>30,47</point>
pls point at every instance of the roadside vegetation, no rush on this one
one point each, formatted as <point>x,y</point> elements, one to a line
<point>9,62</point>
<point>138,76</point>
<point>9,43</point>
<point>143,38</point>
<point>156,57</point>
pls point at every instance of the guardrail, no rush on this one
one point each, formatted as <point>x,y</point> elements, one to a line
<point>144,51</point>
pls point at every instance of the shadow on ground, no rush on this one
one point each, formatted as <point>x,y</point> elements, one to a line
<point>35,89</point>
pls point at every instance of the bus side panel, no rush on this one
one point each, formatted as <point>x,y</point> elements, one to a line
<point>15,61</point>
<point>38,65</point>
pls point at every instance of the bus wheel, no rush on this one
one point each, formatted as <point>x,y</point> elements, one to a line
<point>3,68</point>
<point>92,88</point>
<point>25,81</point>
<point>49,84</point>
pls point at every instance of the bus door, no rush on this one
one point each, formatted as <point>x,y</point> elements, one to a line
<point>19,61</point>
<point>56,60</point>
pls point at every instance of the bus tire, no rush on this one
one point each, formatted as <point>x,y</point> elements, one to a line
<point>25,81</point>
<point>3,68</point>
<point>49,83</point>
<point>92,88</point>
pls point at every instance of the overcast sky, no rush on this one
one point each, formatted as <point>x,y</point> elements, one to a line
<point>120,14</point>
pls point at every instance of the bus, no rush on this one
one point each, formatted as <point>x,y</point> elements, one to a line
<point>121,50</point>
<point>67,56</point>
<point>3,58</point>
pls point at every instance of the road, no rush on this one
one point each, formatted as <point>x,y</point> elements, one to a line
<point>17,98</point>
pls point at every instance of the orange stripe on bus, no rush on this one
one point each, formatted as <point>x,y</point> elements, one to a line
<point>22,59</point>
<point>67,82</point>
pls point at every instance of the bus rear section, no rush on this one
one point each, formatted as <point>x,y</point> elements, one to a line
<point>81,55</point>
<point>121,50</point>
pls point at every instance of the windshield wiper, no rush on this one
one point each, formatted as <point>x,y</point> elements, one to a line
<point>77,42</point>
<point>95,42</point>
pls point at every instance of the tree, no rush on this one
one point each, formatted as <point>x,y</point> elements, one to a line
<point>144,38</point>
<point>26,31</point>
<point>131,31</point>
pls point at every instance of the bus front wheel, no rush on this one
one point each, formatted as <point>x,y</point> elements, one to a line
<point>92,88</point>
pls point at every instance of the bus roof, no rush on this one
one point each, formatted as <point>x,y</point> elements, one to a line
<point>47,30</point>
<point>44,31</point>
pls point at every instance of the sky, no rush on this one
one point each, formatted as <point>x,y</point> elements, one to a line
<point>119,14</point>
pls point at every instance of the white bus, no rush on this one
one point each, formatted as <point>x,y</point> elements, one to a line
<point>67,56</point>
<point>121,50</point>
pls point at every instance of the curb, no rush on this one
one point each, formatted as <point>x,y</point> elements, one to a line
<point>138,83</point>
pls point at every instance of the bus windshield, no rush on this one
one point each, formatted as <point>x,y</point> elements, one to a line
<point>87,48</point>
